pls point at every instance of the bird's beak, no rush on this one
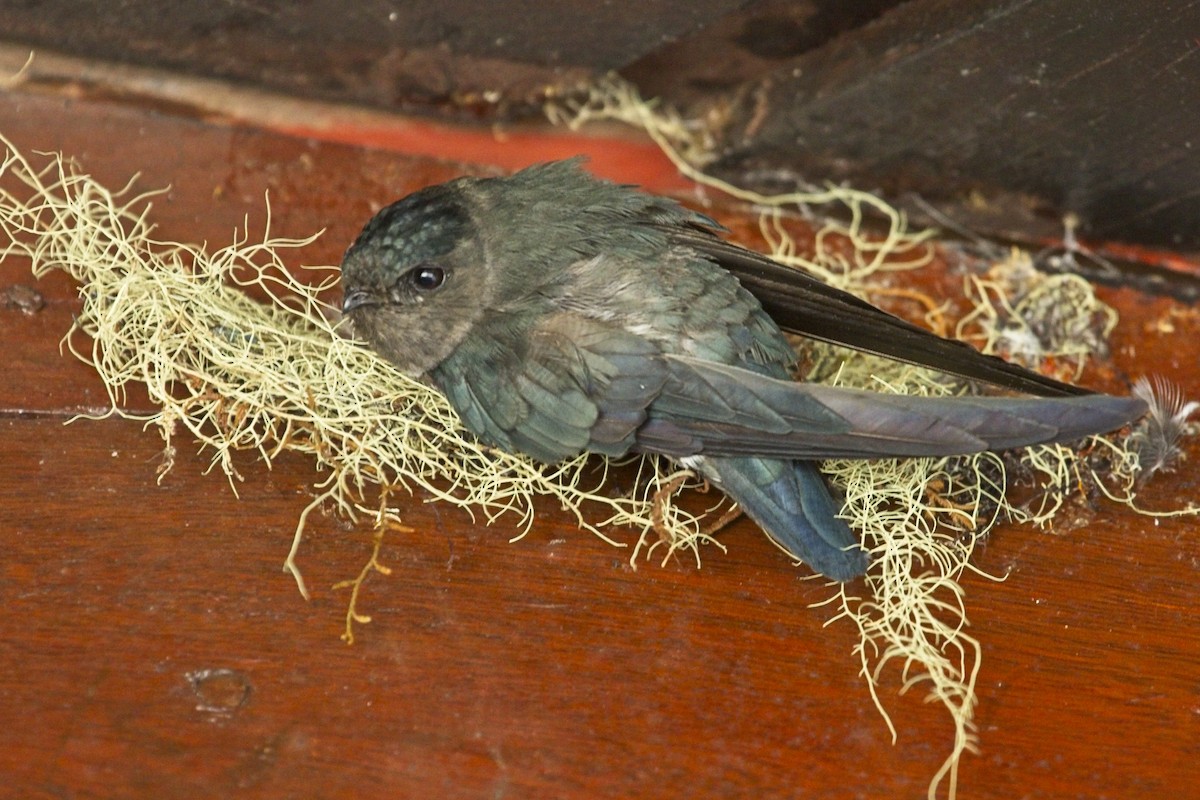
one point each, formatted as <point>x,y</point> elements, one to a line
<point>356,298</point>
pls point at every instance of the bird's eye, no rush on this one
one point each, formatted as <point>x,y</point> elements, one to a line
<point>428,278</point>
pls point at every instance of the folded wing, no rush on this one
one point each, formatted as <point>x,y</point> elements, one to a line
<point>712,409</point>
<point>800,303</point>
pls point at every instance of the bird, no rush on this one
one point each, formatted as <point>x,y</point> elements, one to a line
<point>560,313</point>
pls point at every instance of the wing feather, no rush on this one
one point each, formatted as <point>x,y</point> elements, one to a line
<point>800,303</point>
<point>720,410</point>
<point>568,385</point>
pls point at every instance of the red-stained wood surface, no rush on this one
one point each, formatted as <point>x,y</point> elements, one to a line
<point>151,647</point>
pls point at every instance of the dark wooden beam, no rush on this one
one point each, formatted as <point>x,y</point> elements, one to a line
<point>450,56</point>
<point>1009,113</point>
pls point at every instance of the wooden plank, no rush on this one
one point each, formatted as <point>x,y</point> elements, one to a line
<point>151,646</point>
<point>451,57</point>
<point>1009,113</point>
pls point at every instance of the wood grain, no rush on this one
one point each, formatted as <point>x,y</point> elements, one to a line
<point>152,647</point>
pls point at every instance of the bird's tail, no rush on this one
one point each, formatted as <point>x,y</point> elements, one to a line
<point>791,503</point>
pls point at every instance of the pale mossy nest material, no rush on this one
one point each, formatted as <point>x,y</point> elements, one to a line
<point>235,374</point>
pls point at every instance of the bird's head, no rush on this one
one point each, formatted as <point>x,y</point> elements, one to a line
<point>414,281</point>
